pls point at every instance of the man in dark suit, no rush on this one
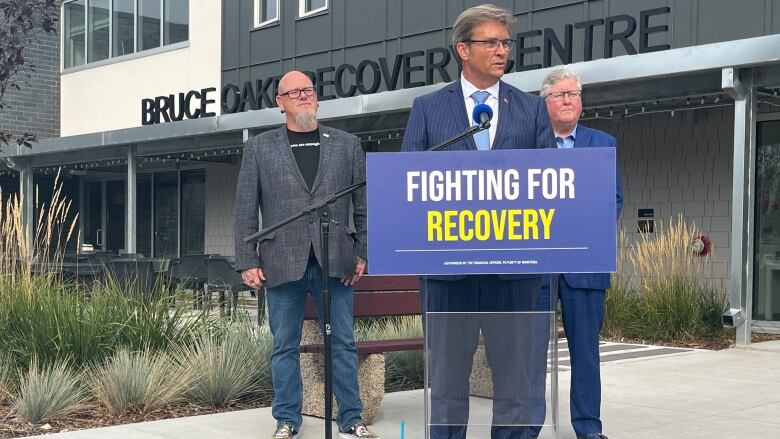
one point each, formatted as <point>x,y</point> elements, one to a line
<point>481,37</point>
<point>581,295</point>
<point>282,171</point>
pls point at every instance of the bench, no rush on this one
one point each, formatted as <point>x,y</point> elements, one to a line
<point>375,296</point>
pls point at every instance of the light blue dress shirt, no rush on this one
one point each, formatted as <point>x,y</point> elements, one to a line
<point>568,141</point>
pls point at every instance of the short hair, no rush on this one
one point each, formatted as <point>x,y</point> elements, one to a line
<point>557,75</point>
<point>468,19</point>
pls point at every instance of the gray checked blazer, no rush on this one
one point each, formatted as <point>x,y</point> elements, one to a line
<point>271,181</point>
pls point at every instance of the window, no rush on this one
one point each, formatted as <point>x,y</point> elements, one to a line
<point>124,27</point>
<point>148,24</point>
<point>98,36</point>
<point>309,7</point>
<point>266,11</point>
<point>176,22</point>
<point>96,30</point>
<point>74,35</point>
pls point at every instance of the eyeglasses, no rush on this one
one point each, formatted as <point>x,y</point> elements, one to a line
<point>558,96</point>
<point>493,43</point>
<point>296,93</point>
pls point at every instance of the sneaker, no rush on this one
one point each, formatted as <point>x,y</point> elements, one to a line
<point>357,431</point>
<point>285,431</point>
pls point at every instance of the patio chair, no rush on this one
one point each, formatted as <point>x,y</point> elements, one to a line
<point>133,273</point>
<point>223,278</point>
<point>190,272</point>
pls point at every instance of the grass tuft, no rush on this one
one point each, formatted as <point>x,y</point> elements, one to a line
<point>668,298</point>
<point>229,366</point>
<point>141,381</point>
<point>49,392</point>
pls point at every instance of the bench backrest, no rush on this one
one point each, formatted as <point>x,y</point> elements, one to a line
<point>381,296</point>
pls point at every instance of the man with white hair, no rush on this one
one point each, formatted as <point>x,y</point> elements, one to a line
<point>581,294</point>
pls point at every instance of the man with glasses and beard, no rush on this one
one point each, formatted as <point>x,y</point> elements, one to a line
<point>283,171</point>
<point>459,308</point>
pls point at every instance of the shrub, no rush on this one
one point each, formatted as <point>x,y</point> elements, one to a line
<point>668,297</point>
<point>228,365</point>
<point>6,377</point>
<point>142,381</point>
<point>45,318</point>
<point>87,327</point>
<point>49,392</point>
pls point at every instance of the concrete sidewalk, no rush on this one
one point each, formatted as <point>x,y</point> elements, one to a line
<point>677,394</point>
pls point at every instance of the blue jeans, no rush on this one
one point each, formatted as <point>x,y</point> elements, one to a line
<point>286,304</point>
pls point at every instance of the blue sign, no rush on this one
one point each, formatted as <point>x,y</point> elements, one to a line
<point>503,211</point>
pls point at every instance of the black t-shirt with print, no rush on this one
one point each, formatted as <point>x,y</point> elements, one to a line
<point>306,149</point>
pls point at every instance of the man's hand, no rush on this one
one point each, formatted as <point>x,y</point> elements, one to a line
<point>253,277</point>
<point>359,268</point>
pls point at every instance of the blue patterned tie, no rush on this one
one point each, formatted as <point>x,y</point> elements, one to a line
<point>482,138</point>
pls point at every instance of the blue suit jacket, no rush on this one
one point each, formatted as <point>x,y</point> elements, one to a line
<point>523,123</point>
<point>587,138</point>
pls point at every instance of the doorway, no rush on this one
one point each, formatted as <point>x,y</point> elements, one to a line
<point>766,282</point>
<point>104,215</point>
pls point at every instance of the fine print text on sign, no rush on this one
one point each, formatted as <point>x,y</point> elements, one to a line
<point>510,211</point>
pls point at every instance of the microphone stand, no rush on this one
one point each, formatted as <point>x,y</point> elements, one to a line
<point>322,210</point>
<point>469,132</point>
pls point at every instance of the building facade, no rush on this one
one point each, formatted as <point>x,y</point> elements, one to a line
<point>158,98</point>
<point>35,106</point>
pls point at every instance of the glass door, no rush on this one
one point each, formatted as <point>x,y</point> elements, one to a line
<point>104,215</point>
<point>166,215</point>
<point>193,211</point>
<point>766,282</point>
<point>93,215</point>
<point>115,215</point>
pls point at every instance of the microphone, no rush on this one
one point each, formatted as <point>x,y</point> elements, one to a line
<point>482,114</point>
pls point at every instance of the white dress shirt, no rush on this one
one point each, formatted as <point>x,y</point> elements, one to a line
<point>468,90</point>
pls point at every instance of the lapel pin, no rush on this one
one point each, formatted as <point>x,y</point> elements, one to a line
<point>325,135</point>
<point>506,101</point>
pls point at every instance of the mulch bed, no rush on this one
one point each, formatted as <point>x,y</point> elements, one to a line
<point>12,427</point>
<point>709,344</point>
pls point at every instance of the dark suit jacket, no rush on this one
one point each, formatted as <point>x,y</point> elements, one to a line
<point>271,181</point>
<point>587,138</point>
<point>523,123</point>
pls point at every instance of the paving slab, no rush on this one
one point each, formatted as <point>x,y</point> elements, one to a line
<point>687,394</point>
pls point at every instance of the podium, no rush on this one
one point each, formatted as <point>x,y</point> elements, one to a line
<point>484,230</point>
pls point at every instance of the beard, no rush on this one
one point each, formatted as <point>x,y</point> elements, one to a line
<point>307,119</point>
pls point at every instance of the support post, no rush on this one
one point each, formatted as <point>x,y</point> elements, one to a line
<point>738,83</point>
<point>27,203</point>
<point>130,208</point>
